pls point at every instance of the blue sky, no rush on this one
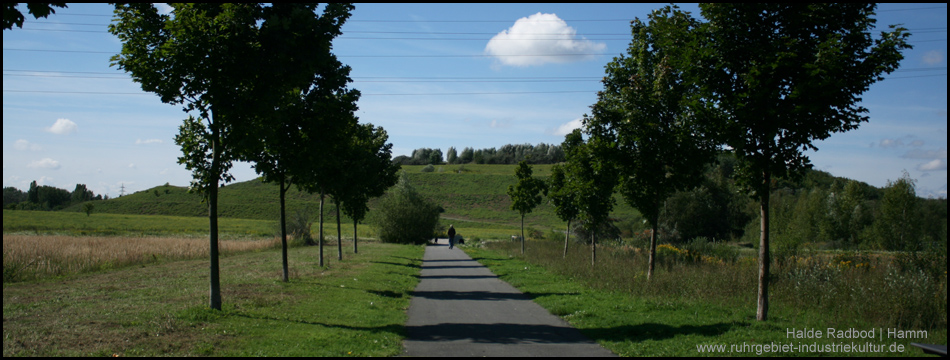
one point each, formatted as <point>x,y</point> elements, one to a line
<point>433,75</point>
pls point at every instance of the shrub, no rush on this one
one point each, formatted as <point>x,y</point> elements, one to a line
<point>403,216</point>
<point>428,168</point>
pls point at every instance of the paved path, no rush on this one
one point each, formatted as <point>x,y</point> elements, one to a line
<point>460,308</point>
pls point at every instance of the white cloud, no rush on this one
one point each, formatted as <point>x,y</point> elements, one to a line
<point>936,165</point>
<point>148,141</point>
<point>24,145</point>
<point>63,126</point>
<point>45,163</point>
<point>933,57</point>
<point>567,128</point>
<point>537,36</point>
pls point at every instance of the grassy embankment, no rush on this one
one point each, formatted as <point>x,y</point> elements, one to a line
<point>697,298</point>
<point>352,308</point>
<point>473,196</point>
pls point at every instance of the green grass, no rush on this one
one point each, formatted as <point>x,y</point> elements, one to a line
<point>352,308</point>
<point>466,192</point>
<point>686,306</point>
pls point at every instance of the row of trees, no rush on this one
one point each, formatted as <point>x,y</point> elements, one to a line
<point>261,84</point>
<point>766,80</point>
<point>45,197</point>
<point>508,154</point>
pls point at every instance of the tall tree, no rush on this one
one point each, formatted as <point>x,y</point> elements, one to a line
<point>898,220</point>
<point>593,180</point>
<point>451,156</point>
<point>526,194</point>
<point>787,75</point>
<point>650,117</point>
<point>308,121</point>
<point>562,195</point>
<point>371,172</point>
<point>228,63</point>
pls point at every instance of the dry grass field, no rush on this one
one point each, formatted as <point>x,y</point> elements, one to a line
<point>28,257</point>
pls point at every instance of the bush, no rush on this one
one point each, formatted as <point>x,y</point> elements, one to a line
<point>403,216</point>
<point>299,223</point>
<point>428,168</point>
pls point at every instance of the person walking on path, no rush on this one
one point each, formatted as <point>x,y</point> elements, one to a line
<point>451,236</point>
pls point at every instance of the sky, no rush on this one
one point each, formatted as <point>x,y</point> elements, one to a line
<point>432,75</point>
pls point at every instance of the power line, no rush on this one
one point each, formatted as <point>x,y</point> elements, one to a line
<point>393,94</point>
<point>349,56</point>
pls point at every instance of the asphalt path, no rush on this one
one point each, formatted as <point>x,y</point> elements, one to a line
<point>460,308</point>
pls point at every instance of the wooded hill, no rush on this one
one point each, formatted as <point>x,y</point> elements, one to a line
<point>818,210</point>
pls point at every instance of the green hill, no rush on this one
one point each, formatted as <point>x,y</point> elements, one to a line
<point>475,201</point>
<point>472,195</point>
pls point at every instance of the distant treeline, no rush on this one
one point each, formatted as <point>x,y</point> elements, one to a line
<point>508,154</point>
<point>818,211</point>
<point>46,197</point>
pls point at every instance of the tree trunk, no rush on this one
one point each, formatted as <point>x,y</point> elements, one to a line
<point>652,252</point>
<point>283,228</point>
<point>213,220</point>
<point>339,231</point>
<point>567,238</point>
<point>593,248</point>
<point>522,234</point>
<point>355,250</point>
<point>321,228</point>
<point>763,309</point>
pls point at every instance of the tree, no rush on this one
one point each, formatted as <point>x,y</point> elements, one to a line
<point>87,208</point>
<point>467,155</point>
<point>787,75</point>
<point>308,123</point>
<point>229,63</point>
<point>13,196</point>
<point>898,220</point>
<point>371,172</point>
<point>33,194</point>
<point>649,116</point>
<point>593,180</point>
<point>526,194</point>
<point>81,194</point>
<point>12,16</point>
<point>404,216</point>
<point>451,156</point>
<point>562,195</point>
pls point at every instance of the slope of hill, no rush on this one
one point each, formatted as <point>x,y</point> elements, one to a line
<point>475,197</point>
<point>475,193</point>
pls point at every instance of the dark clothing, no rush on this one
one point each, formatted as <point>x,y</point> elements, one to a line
<point>451,237</point>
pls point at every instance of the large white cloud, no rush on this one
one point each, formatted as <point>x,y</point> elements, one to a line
<point>540,39</point>
<point>63,126</point>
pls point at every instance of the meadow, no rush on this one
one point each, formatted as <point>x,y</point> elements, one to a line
<point>43,244</point>
<point>354,307</point>
<point>704,294</point>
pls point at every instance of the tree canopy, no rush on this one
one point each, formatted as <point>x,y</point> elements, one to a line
<point>651,119</point>
<point>231,65</point>
<point>787,75</point>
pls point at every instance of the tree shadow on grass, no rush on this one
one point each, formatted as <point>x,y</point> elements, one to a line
<point>396,329</point>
